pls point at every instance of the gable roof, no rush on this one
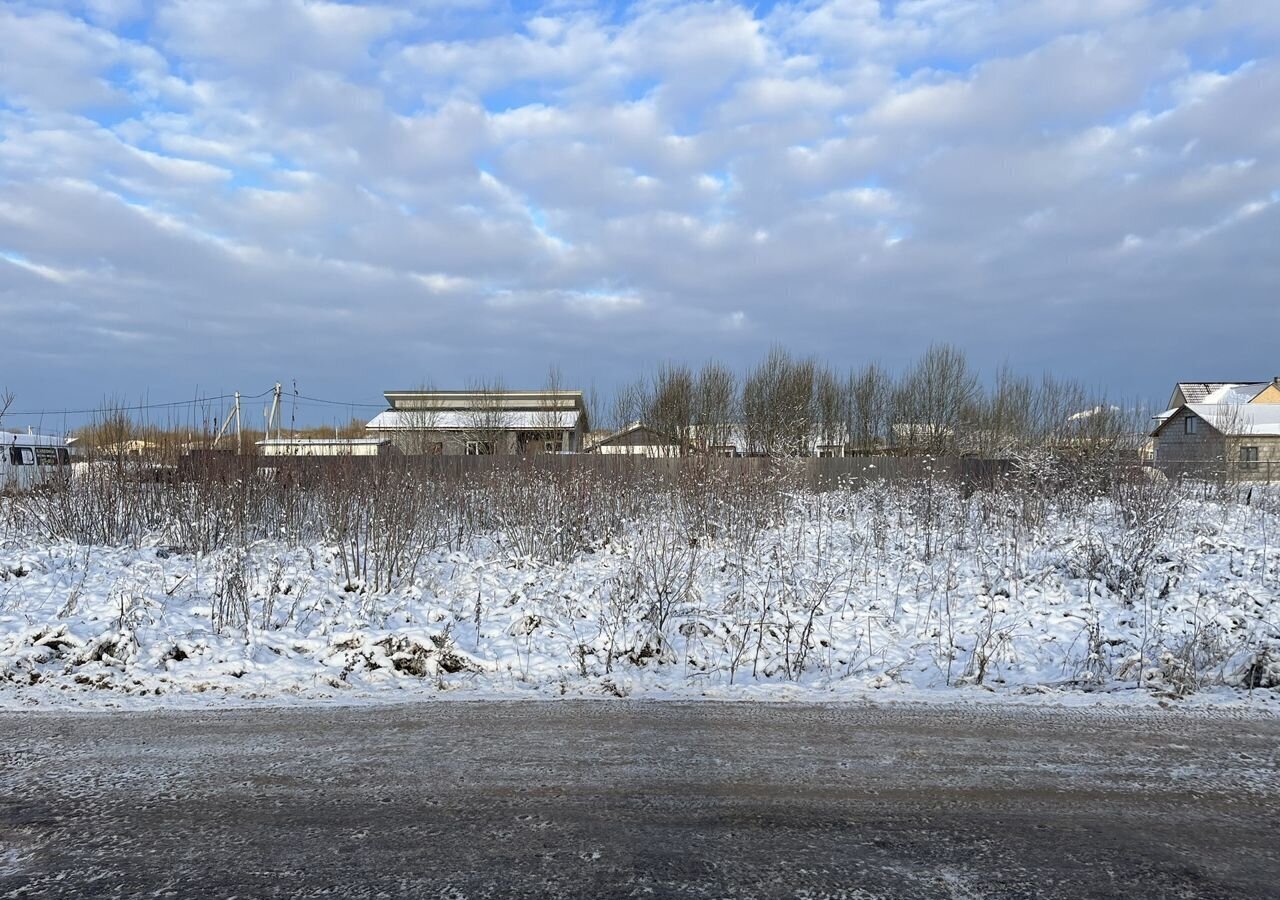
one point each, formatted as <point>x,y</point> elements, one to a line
<point>1240,420</point>
<point>1232,419</point>
<point>1214,391</point>
<point>663,440</point>
<point>1196,391</point>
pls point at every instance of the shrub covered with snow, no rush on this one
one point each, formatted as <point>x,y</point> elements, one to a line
<point>706,585</point>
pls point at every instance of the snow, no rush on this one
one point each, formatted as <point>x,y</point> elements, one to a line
<point>27,439</point>
<point>880,592</point>
<point>1234,394</point>
<point>1262,419</point>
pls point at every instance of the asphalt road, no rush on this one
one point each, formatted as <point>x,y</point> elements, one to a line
<point>615,799</point>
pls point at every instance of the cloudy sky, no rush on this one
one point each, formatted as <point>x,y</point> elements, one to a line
<point>216,194</point>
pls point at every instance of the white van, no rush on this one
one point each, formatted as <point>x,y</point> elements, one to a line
<point>28,459</point>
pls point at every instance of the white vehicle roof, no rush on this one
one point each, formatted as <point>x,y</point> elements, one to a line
<point>21,439</point>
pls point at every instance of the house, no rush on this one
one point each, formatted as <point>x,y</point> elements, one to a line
<point>483,422</point>
<point>906,436</point>
<point>1269,395</point>
<point>330,447</point>
<point>135,447</point>
<point>726,441</point>
<point>1230,427</point>
<point>638,439</point>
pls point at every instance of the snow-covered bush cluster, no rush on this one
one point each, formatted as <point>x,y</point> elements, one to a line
<point>707,584</point>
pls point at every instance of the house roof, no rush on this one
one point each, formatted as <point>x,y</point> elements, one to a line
<point>633,428</point>
<point>1217,391</point>
<point>1234,419</point>
<point>474,420</point>
<point>1196,391</point>
<point>485,400</point>
<point>1238,420</point>
<point>321,442</point>
<point>1235,393</point>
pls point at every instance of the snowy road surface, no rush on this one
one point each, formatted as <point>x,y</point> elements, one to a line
<point>617,799</point>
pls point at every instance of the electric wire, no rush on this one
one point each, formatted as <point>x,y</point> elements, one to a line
<point>198,401</point>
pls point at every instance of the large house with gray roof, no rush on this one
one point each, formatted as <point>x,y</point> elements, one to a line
<point>1221,427</point>
<point>482,422</point>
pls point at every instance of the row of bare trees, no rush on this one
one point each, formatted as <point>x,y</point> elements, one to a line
<point>785,405</point>
<point>797,406</point>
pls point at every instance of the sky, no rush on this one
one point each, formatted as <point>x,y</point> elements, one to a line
<point>204,196</point>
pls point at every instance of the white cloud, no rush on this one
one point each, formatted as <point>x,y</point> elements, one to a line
<point>834,174</point>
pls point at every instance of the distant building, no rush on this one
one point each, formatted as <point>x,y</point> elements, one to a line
<point>638,439</point>
<point>482,423</point>
<point>1226,427</point>
<point>728,441</point>
<point>135,447</point>
<point>302,447</point>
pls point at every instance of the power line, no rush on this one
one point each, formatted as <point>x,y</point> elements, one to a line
<point>340,402</point>
<point>198,401</point>
<point>111,409</point>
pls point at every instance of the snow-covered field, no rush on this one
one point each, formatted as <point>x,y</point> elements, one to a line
<point>914,591</point>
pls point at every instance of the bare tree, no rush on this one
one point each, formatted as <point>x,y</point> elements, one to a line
<point>870,405</point>
<point>1052,407</point>
<point>939,398</point>
<point>549,421</point>
<point>778,405</point>
<point>630,401</point>
<point>421,424</point>
<point>592,402</point>
<point>670,408</point>
<point>715,405</point>
<point>1004,420</point>
<point>485,426</point>
<point>758,403</point>
<point>1240,449</point>
<point>831,404</point>
<point>112,430</point>
<point>798,407</point>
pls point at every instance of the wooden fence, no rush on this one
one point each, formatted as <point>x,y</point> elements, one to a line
<point>815,473</point>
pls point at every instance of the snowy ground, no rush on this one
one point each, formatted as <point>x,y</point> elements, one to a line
<point>849,594</point>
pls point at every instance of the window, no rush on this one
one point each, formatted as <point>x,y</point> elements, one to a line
<point>479,448</point>
<point>1248,457</point>
<point>22,456</point>
<point>830,451</point>
<point>727,451</point>
<point>46,456</point>
<point>1189,424</point>
<point>552,446</point>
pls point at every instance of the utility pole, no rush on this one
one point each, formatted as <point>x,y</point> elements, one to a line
<point>234,414</point>
<point>274,415</point>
